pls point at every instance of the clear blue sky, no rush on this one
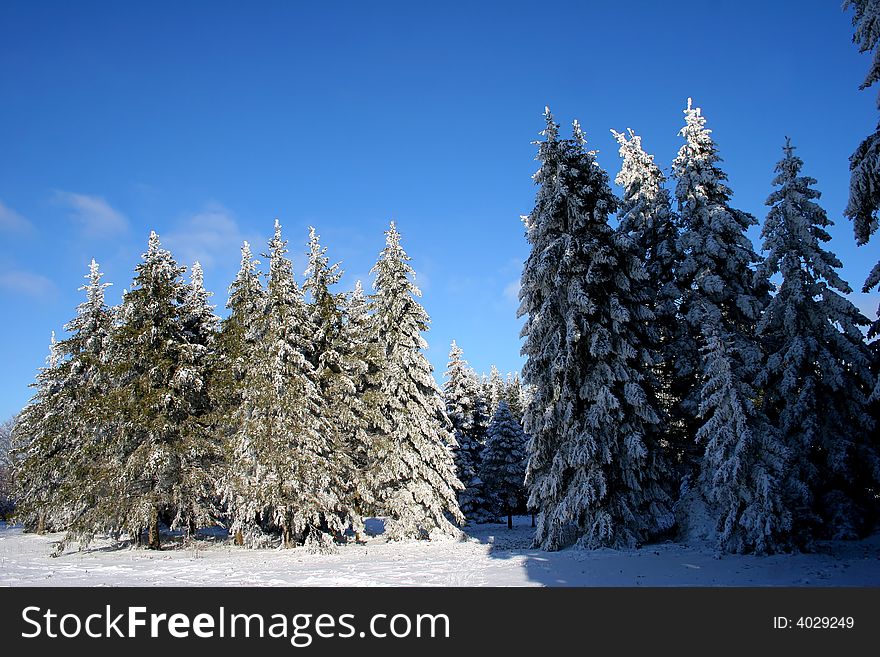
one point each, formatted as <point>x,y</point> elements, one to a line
<point>206,120</point>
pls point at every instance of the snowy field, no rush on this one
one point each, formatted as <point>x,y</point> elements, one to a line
<point>490,555</point>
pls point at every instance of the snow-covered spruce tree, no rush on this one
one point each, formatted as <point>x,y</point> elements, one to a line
<point>285,475</point>
<point>467,412</point>
<point>817,376</point>
<point>593,466</point>
<point>338,368</point>
<point>61,469</point>
<point>715,273</point>
<point>493,389</point>
<point>163,448</point>
<point>743,469</point>
<point>514,395</point>
<point>237,337</point>
<point>236,348</point>
<point>646,216</point>
<point>864,163</point>
<point>503,466</point>
<point>40,448</point>
<point>413,472</point>
<point>363,341</point>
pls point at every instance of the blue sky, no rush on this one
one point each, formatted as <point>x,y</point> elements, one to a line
<point>205,121</point>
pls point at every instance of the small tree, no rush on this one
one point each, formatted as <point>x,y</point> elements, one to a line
<point>504,462</point>
<point>466,410</point>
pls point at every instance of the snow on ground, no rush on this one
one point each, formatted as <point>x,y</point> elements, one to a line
<point>490,555</point>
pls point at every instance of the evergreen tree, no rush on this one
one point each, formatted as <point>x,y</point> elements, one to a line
<point>593,459</point>
<point>503,467</point>
<point>338,366</point>
<point>817,376</point>
<point>493,389</point>
<point>466,411</point>
<point>864,163</point>
<point>646,217</point>
<point>715,275</point>
<point>163,450</point>
<point>743,469</point>
<point>40,447</point>
<point>514,395</point>
<point>61,460</point>
<point>413,473</point>
<point>286,476</point>
<point>362,340</point>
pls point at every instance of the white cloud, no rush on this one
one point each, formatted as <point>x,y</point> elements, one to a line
<point>511,292</point>
<point>27,284</point>
<point>93,213</point>
<point>211,236</point>
<point>13,222</point>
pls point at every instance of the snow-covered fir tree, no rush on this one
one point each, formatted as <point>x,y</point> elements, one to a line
<point>864,163</point>
<point>362,339</point>
<point>503,466</point>
<point>413,472</point>
<point>467,412</point>
<point>715,274</point>
<point>40,449</point>
<point>338,368</point>
<point>593,463</point>
<point>817,376</point>
<point>514,395</point>
<point>61,460</point>
<point>286,475</point>
<point>163,447</point>
<point>237,337</point>
<point>493,389</point>
<point>646,216</point>
<point>743,468</point>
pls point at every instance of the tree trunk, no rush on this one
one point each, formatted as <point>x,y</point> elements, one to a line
<point>239,537</point>
<point>41,522</point>
<point>286,536</point>
<point>510,521</point>
<point>154,541</point>
<point>533,519</point>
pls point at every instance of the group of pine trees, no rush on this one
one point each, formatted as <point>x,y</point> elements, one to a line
<point>669,386</point>
<point>302,412</point>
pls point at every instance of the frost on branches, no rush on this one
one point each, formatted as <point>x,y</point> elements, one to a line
<point>466,410</point>
<point>286,475</point>
<point>57,464</point>
<point>864,163</point>
<point>817,377</point>
<point>593,472</point>
<point>412,468</point>
<point>715,276</point>
<point>646,217</point>
<point>743,469</point>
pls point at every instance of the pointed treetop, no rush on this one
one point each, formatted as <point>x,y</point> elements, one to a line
<point>551,132</point>
<point>95,288</point>
<point>788,149</point>
<point>197,275</point>
<point>245,250</point>
<point>358,289</point>
<point>578,133</point>
<point>277,228</point>
<point>153,245</point>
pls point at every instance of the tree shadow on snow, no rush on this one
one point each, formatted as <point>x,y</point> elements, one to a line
<point>541,567</point>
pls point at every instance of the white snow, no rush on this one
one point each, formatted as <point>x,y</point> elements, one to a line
<point>490,555</point>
